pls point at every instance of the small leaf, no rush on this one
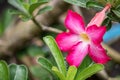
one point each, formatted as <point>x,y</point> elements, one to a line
<point>81,3</point>
<point>35,5</point>
<point>93,4</point>
<point>89,71</point>
<point>45,63</point>
<point>18,72</point>
<point>4,73</point>
<point>58,73</point>
<point>44,9</point>
<point>56,53</point>
<point>71,73</point>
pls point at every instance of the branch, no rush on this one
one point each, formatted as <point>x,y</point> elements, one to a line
<point>46,28</point>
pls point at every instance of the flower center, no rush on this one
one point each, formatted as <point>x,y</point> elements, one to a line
<point>84,37</point>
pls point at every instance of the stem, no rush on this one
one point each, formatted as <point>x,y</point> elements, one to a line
<point>46,28</point>
<point>37,24</point>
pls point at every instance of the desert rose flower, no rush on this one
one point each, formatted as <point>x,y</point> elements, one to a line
<point>80,40</point>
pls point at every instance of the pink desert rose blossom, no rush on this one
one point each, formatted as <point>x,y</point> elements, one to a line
<point>81,40</point>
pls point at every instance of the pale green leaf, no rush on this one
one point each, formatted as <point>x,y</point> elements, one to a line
<point>58,73</point>
<point>89,71</point>
<point>72,70</point>
<point>56,53</point>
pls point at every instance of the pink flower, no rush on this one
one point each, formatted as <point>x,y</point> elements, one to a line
<point>81,40</point>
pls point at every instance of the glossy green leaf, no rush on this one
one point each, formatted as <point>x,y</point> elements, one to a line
<point>19,5</point>
<point>81,3</point>
<point>89,71</point>
<point>108,23</point>
<point>35,5</point>
<point>45,63</point>
<point>56,53</point>
<point>72,70</point>
<point>4,73</point>
<point>45,9</point>
<point>58,73</point>
<point>93,4</point>
<point>85,63</point>
<point>18,72</point>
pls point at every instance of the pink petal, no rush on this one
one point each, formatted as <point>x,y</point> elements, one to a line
<point>96,33</point>
<point>98,54</point>
<point>66,40</point>
<point>77,54</point>
<point>99,17</point>
<point>74,22</point>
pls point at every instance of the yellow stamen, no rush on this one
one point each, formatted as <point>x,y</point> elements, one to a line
<point>84,37</point>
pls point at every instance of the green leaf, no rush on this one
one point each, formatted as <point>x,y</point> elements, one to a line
<point>25,17</point>
<point>117,12</point>
<point>118,7</point>
<point>107,22</point>
<point>93,4</point>
<point>113,17</point>
<point>81,3</point>
<point>45,9</point>
<point>117,3</point>
<point>19,5</point>
<point>13,11</point>
<point>5,20</point>
<point>35,5</point>
<point>40,73</point>
<point>85,63</point>
<point>45,63</point>
<point>89,71</point>
<point>32,1</point>
<point>101,1</point>
<point>18,72</point>
<point>4,73</point>
<point>58,73</point>
<point>56,53</point>
<point>71,73</point>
